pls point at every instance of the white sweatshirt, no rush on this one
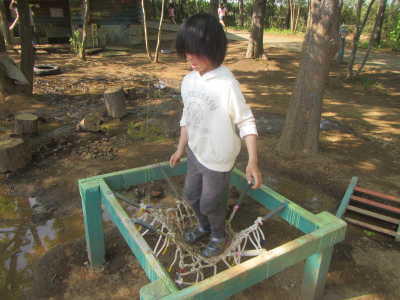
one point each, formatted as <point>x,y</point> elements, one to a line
<point>213,105</point>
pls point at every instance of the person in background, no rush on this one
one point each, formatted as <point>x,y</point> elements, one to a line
<point>171,12</point>
<point>222,12</point>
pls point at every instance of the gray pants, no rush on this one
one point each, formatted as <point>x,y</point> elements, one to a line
<point>207,193</point>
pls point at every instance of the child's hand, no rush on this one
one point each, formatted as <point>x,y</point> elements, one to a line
<point>175,158</point>
<point>253,175</point>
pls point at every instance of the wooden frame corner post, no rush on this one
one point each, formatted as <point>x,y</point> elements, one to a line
<point>92,216</point>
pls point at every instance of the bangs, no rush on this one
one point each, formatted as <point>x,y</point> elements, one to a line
<point>203,35</point>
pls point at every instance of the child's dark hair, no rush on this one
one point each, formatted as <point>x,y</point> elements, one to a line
<point>202,34</point>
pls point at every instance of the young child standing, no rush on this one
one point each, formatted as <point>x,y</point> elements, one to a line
<point>213,107</point>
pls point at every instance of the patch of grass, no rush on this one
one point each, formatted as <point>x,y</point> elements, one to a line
<point>142,131</point>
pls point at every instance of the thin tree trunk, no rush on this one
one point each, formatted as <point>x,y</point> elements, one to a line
<point>4,25</point>
<point>360,27</point>
<point>255,47</point>
<point>146,37</point>
<point>241,13</point>
<point>372,39</point>
<point>381,18</point>
<point>26,33</point>
<point>86,13</point>
<point>301,130</point>
<point>159,32</point>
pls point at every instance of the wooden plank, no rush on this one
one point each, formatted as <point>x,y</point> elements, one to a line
<point>144,254</point>
<point>376,204</point>
<point>155,290</point>
<point>92,216</point>
<point>377,194</point>
<point>127,178</point>
<point>370,226</point>
<point>373,214</point>
<point>315,270</point>
<point>252,271</point>
<point>346,198</point>
<point>294,214</point>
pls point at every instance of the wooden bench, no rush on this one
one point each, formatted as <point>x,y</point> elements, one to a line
<point>374,205</point>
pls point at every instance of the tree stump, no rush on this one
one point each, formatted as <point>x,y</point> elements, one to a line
<point>26,124</point>
<point>14,154</point>
<point>114,99</point>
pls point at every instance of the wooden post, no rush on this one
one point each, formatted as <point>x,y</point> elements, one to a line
<point>114,99</point>
<point>26,124</point>
<point>14,154</point>
<point>92,215</point>
<point>315,270</point>
<point>346,198</point>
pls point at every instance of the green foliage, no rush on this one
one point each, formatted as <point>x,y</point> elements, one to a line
<point>394,35</point>
<point>76,41</point>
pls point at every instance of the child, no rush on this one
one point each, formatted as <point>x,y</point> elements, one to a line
<point>171,13</point>
<point>213,105</point>
<point>222,11</point>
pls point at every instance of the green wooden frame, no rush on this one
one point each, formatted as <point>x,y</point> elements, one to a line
<point>315,247</point>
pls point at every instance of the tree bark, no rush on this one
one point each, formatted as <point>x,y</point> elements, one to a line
<point>86,14</point>
<point>360,27</point>
<point>4,25</point>
<point>372,39</point>
<point>146,37</point>
<point>301,129</point>
<point>380,18</point>
<point>159,32</point>
<point>114,99</point>
<point>241,13</point>
<point>26,32</point>
<point>255,47</point>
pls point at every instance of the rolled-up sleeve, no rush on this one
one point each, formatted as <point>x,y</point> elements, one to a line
<point>240,112</point>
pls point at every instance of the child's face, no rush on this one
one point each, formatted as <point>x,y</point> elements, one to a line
<point>199,63</point>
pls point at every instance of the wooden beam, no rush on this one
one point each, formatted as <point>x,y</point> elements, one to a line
<point>144,254</point>
<point>293,214</point>
<point>376,204</point>
<point>374,214</point>
<point>370,226</point>
<point>346,198</point>
<point>92,216</point>
<point>248,273</point>
<point>377,194</point>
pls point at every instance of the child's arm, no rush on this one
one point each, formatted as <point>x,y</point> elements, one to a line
<point>253,173</point>
<point>183,140</point>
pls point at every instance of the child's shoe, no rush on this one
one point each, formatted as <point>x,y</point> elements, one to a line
<point>214,248</point>
<point>195,235</point>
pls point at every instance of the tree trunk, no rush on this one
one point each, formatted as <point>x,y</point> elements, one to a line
<point>255,47</point>
<point>159,32</point>
<point>301,130</point>
<point>4,25</point>
<point>380,18</point>
<point>114,99</point>
<point>86,14</point>
<point>241,13</point>
<point>26,33</point>
<point>146,37</point>
<point>14,154</point>
<point>359,28</point>
<point>372,39</point>
<point>26,124</point>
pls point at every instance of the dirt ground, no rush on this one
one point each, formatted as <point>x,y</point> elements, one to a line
<point>360,137</point>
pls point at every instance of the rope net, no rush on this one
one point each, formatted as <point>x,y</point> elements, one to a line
<point>169,224</point>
